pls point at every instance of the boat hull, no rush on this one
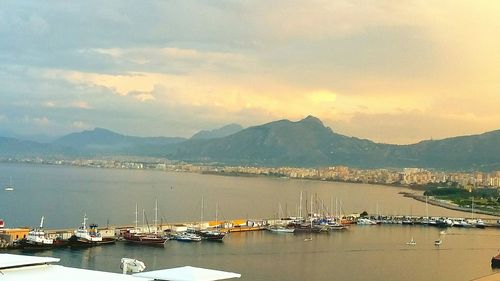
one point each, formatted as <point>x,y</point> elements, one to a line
<point>145,240</point>
<point>495,261</point>
<point>74,241</point>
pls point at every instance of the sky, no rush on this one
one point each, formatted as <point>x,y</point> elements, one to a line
<point>390,71</point>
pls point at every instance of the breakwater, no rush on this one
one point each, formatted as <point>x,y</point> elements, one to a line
<point>447,205</point>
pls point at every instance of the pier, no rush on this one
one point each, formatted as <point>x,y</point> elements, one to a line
<point>9,237</point>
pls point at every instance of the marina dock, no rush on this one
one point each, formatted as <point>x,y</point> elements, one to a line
<point>10,236</point>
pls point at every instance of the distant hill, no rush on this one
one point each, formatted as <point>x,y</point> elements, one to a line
<point>305,143</point>
<point>218,133</point>
<point>309,143</point>
<point>105,141</point>
<point>11,147</point>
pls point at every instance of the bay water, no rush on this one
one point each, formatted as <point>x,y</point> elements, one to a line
<point>64,194</point>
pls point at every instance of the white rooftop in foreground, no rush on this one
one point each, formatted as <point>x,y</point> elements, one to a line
<point>188,273</point>
<point>62,273</point>
<point>23,268</point>
<point>8,261</point>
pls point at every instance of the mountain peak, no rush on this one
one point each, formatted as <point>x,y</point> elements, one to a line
<point>311,119</point>
<point>218,133</point>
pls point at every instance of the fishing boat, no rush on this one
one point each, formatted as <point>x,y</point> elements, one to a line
<point>88,236</point>
<point>37,240</point>
<point>9,187</point>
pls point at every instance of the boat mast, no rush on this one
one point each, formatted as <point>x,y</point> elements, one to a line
<point>143,217</point>
<point>41,223</point>
<point>472,207</point>
<point>201,217</point>
<point>136,218</point>
<point>156,216</point>
<point>84,221</point>
<point>311,207</point>
<point>300,205</point>
<point>426,208</point>
<point>216,214</point>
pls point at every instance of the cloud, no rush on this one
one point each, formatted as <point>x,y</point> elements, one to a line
<point>80,125</point>
<point>352,63</point>
<point>41,121</point>
<point>64,104</point>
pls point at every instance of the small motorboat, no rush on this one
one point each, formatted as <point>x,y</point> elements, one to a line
<point>308,239</point>
<point>438,242</point>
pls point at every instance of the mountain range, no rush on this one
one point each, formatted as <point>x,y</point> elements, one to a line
<point>305,143</point>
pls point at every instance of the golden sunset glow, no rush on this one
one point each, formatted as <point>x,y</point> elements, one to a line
<point>379,70</point>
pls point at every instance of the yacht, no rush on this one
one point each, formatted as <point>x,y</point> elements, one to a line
<point>365,221</point>
<point>187,237</point>
<point>280,229</point>
<point>211,235</point>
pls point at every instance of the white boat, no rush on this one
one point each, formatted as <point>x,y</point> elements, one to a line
<point>88,236</point>
<point>36,237</point>
<point>280,229</point>
<point>438,242</point>
<point>365,221</point>
<point>412,242</point>
<point>308,239</point>
<point>9,187</point>
<point>187,237</point>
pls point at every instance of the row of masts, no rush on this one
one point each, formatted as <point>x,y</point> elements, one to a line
<point>322,209</point>
<point>144,218</point>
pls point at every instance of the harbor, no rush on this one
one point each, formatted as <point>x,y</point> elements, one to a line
<point>15,238</point>
<point>259,242</point>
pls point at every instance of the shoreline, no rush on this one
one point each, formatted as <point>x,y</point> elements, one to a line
<point>445,205</point>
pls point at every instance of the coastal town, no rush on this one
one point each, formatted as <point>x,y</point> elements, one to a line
<point>410,177</point>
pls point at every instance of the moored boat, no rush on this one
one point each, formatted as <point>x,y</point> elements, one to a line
<point>145,238</point>
<point>187,237</point>
<point>495,261</point>
<point>37,240</point>
<point>88,236</point>
<point>151,238</point>
<point>365,221</point>
<point>280,229</point>
<point>211,235</point>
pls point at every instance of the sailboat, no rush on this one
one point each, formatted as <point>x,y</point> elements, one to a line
<point>412,242</point>
<point>207,234</point>
<point>9,187</point>
<point>151,238</point>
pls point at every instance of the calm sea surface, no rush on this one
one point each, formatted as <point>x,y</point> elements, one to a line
<point>64,194</point>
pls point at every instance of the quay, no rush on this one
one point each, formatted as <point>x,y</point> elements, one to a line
<point>9,237</point>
